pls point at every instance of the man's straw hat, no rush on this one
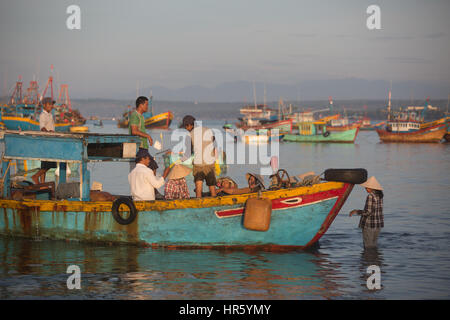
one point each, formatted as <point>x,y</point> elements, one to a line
<point>178,171</point>
<point>220,180</point>
<point>96,186</point>
<point>257,176</point>
<point>372,183</point>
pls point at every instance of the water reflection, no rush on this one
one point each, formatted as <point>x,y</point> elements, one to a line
<point>37,269</point>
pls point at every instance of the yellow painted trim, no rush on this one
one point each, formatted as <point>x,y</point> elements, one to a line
<point>33,121</point>
<point>162,205</point>
<point>21,119</point>
<point>433,123</point>
<point>159,117</point>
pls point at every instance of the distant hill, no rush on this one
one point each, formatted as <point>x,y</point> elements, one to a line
<point>350,88</point>
<point>230,111</point>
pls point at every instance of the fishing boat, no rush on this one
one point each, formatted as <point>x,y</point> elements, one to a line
<point>366,124</point>
<point>159,121</point>
<point>18,122</point>
<point>398,131</point>
<point>409,126</point>
<point>22,112</point>
<point>261,136</point>
<point>318,131</point>
<point>339,123</point>
<point>299,215</point>
<point>282,126</point>
<point>98,123</point>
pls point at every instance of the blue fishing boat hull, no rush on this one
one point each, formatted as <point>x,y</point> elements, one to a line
<point>26,124</point>
<point>300,216</point>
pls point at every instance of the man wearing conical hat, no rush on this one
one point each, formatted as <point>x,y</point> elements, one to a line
<point>176,186</point>
<point>372,219</point>
<point>255,184</point>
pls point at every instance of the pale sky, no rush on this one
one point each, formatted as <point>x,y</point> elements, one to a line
<point>176,43</point>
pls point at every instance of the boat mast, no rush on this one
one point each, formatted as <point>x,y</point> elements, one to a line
<point>389,103</point>
<point>448,100</point>
<point>265,95</point>
<point>254,94</point>
<point>389,106</point>
<point>49,84</point>
<point>16,96</point>
<point>64,96</point>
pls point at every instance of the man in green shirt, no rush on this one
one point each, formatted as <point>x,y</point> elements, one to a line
<point>136,127</point>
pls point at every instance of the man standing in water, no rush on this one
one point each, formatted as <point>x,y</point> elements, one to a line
<point>46,123</point>
<point>136,127</point>
<point>372,219</point>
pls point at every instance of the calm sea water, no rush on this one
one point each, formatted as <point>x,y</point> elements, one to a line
<point>413,253</point>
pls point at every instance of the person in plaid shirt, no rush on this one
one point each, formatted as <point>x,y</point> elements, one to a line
<point>176,186</point>
<point>372,219</point>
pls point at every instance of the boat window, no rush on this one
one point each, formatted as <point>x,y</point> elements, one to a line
<point>110,150</point>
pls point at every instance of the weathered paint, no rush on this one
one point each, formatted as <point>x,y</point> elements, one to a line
<point>300,217</point>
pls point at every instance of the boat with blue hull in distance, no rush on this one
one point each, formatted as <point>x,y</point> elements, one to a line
<point>300,214</point>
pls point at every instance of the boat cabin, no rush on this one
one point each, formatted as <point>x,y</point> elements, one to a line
<point>403,126</point>
<point>64,148</point>
<point>340,122</point>
<point>312,128</point>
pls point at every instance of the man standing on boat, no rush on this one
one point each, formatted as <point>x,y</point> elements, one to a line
<point>143,181</point>
<point>372,219</point>
<point>46,123</point>
<point>202,139</point>
<point>136,127</point>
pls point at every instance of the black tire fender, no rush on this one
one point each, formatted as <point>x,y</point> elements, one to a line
<point>326,134</point>
<point>115,210</point>
<point>353,176</point>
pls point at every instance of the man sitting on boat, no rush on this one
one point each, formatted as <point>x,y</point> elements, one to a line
<point>143,180</point>
<point>255,184</point>
<point>176,186</point>
<point>137,128</point>
<point>46,123</point>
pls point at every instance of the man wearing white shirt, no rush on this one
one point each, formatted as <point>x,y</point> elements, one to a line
<point>142,179</point>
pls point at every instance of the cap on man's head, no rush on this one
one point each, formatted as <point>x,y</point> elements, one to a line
<point>142,153</point>
<point>48,100</point>
<point>187,120</point>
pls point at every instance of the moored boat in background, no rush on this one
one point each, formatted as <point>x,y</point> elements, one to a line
<point>409,126</point>
<point>318,131</point>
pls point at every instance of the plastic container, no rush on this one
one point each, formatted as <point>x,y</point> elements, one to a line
<point>257,214</point>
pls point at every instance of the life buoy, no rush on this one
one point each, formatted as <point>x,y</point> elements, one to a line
<point>326,134</point>
<point>353,176</point>
<point>115,210</point>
